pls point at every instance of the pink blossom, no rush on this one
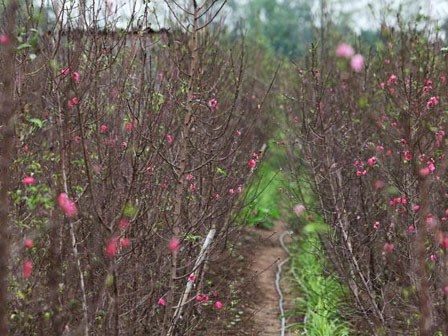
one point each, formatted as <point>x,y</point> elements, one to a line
<point>192,277</point>
<point>123,224</point>
<point>432,102</point>
<point>345,50</point>
<point>357,63</point>
<point>392,80</point>
<point>239,190</point>
<point>27,268</point>
<point>213,104</point>
<point>216,197</point>
<point>433,257</point>
<point>424,171</point>
<point>218,304</point>
<point>376,225</point>
<point>407,155</point>
<point>444,243</point>
<point>238,133</point>
<point>252,163</point>
<point>103,129</point>
<point>169,138</point>
<point>174,244</point>
<point>255,156</point>
<point>28,243</point>
<point>67,205</point>
<point>231,191</point>
<point>72,102</point>
<point>198,298</point>
<point>371,161</point>
<point>205,299</point>
<point>411,228</point>
<point>124,242</point>
<point>4,39</point>
<point>66,71</point>
<point>416,207</point>
<point>161,302</point>
<point>28,180</point>
<point>112,247</point>
<point>299,209</point>
<point>76,77</point>
<point>388,247</point>
<point>189,177</point>
<point>427,89</point>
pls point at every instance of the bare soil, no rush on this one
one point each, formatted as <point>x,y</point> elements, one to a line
<point>265,260</point>
<point>245,275</point>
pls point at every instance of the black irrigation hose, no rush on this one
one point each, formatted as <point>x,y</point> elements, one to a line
<point>277,282</point>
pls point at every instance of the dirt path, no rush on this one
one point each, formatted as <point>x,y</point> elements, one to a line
<point>264,264</point>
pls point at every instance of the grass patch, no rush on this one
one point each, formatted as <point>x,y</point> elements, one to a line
<point>264,196</point>
<point>322,297</point>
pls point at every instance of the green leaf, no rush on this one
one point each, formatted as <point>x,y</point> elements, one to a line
<point>36,122</point>
<point>24,46</point>
<point>221,171</point>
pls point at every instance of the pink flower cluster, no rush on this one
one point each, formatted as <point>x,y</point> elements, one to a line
<point>432,102</point>
<point>253,162</point>
<point>71,103</point>
<point>428,86</point>
<point>213,104</point>
<point>345,50</point>
<point>114,244</point>
<point>67,205</point>
<point>27,268</point>
<point>199,298</point>
<point>398,200</point>
<point>390,84</point>
<point>75,75</point>
<point>360,171</point>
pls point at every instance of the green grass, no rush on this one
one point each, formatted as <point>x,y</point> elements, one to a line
<point>264,196</point>
<point>321,294</point>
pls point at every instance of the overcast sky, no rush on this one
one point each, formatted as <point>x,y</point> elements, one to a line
<point>365,14</point>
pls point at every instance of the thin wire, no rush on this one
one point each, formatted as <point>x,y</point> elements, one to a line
<point>277,283</point>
